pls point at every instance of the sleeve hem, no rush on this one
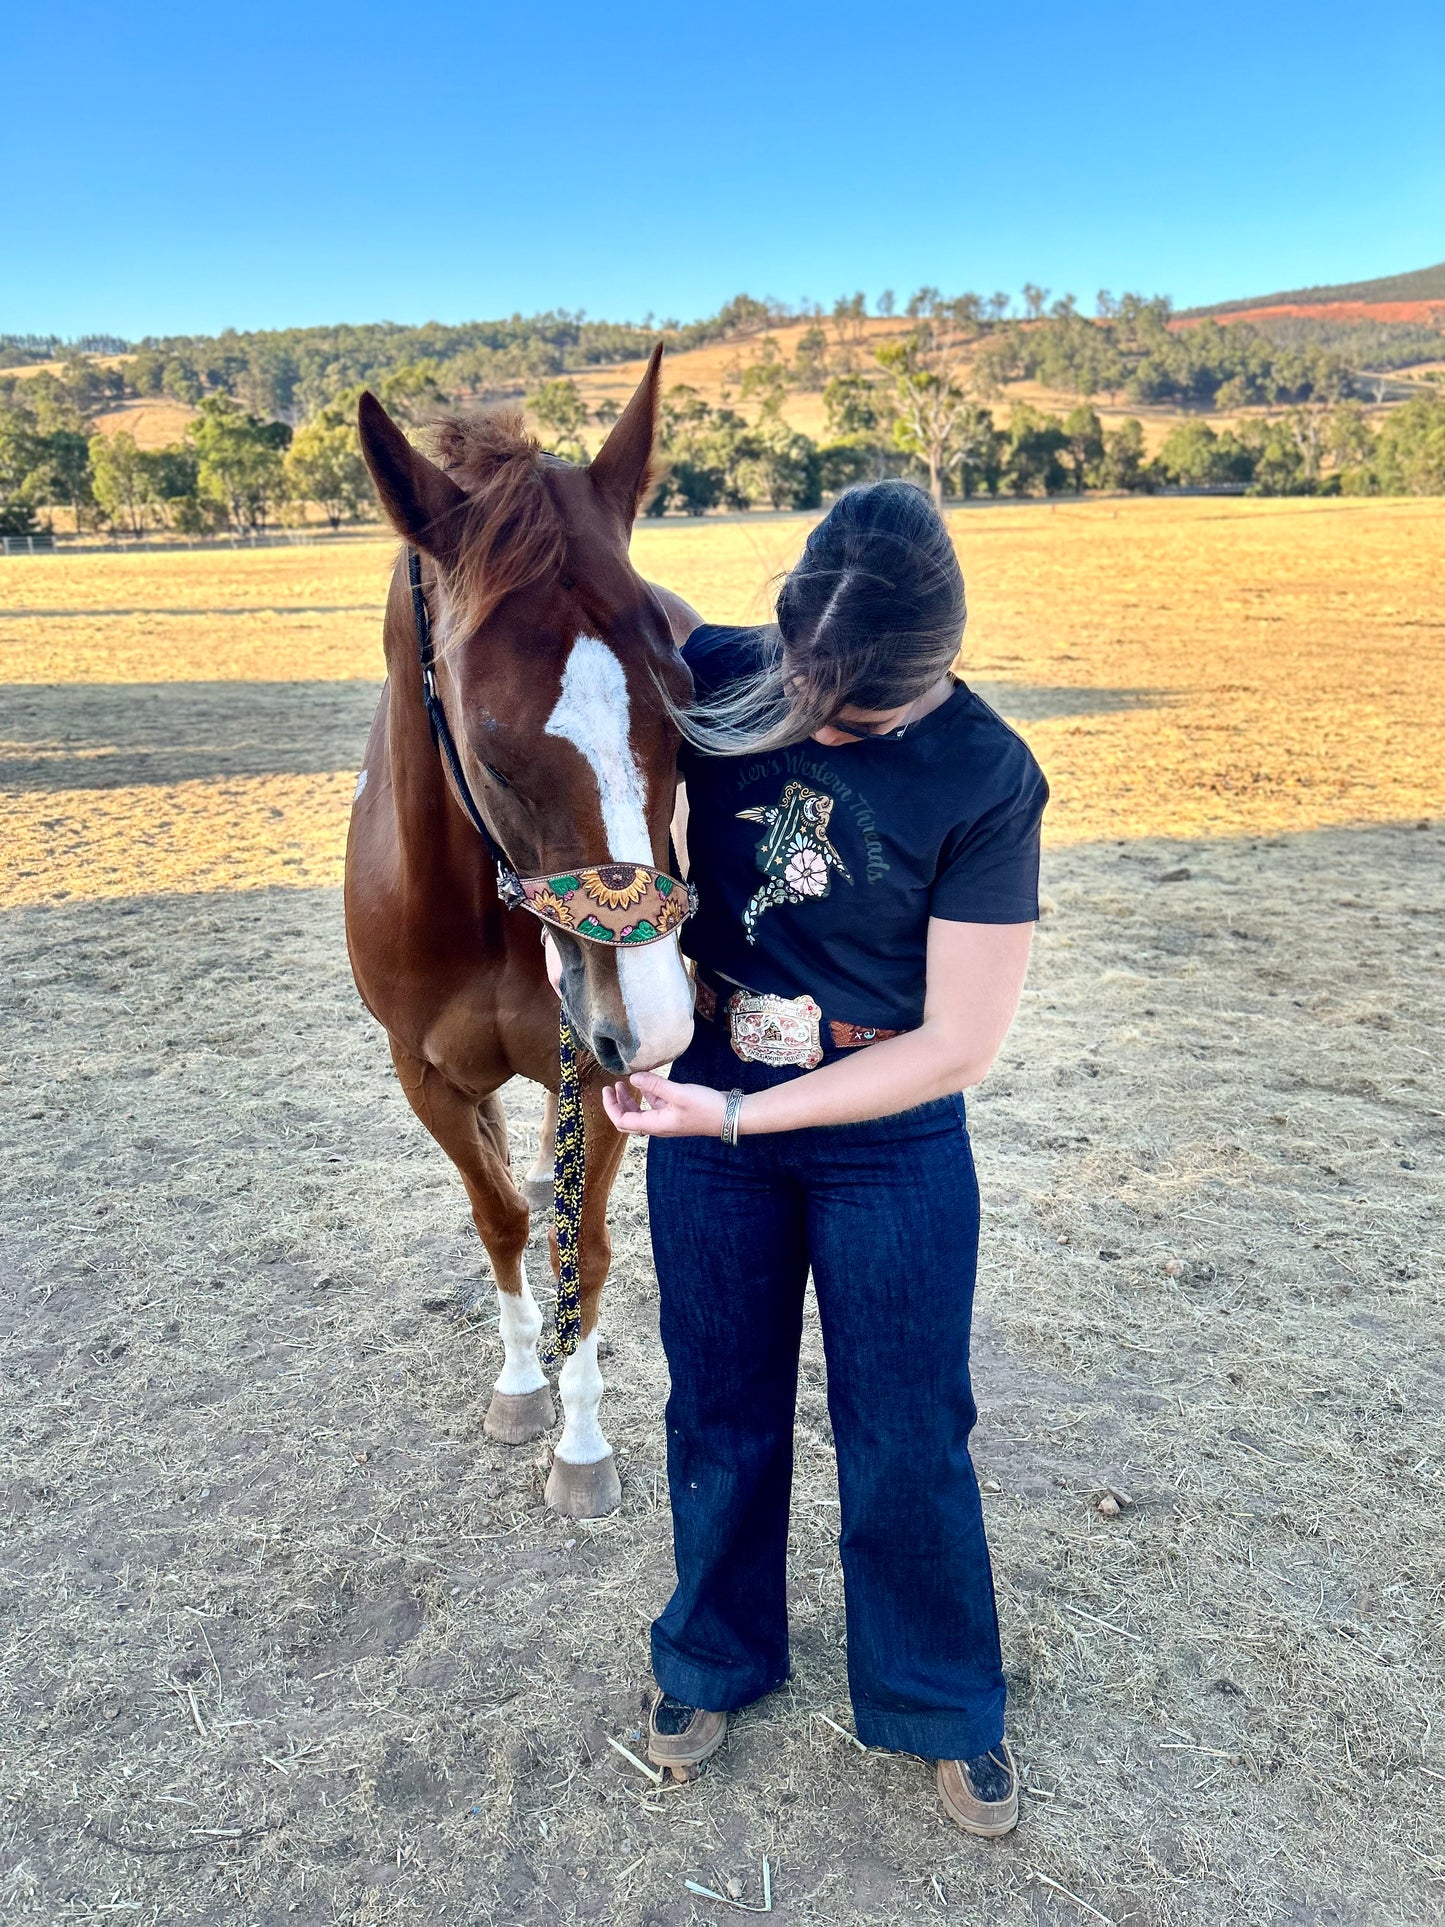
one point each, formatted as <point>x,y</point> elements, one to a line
<point>1018,912</point>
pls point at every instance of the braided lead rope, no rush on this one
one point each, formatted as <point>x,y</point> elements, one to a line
<point>569,1179</point>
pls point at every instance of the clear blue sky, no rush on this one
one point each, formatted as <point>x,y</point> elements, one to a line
<point>177,169</point>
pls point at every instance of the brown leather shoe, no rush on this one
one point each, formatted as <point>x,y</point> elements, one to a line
<point>982,1795</point>
<point>681,1737</point>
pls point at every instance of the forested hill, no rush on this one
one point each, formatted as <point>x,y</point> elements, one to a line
<point>1424,284</point>
<point>288,374</point>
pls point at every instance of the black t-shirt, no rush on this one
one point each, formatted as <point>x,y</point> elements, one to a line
<point>818,869</point>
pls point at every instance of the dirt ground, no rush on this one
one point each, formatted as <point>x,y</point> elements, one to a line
<point>284,1638</point>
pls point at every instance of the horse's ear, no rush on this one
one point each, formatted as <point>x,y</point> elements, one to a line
<point>622,467</point>
<point>421,503</point>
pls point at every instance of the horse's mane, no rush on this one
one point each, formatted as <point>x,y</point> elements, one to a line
<point>512,534</point>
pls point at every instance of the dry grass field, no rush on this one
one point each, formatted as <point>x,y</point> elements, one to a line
<point>284,1639</point>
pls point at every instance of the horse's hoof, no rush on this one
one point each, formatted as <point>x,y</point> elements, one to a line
<point>538,1191</point>
<point>515,1417</point>
<point>584,1491</point>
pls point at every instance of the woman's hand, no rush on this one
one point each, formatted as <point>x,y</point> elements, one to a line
<point>674,1110</point>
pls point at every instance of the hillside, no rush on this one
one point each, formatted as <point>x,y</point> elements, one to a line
<point>1414,294</point>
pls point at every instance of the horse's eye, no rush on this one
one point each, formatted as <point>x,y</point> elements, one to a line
<point>568,581</point>
<point>496,776</point>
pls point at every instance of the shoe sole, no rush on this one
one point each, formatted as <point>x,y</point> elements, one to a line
<point>683,1767</point>
<point>980,1829</point>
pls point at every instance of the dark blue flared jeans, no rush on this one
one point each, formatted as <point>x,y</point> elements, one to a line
<point>885,1215</point>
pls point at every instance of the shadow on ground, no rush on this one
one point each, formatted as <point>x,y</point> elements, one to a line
<point>111,735</point>
<point>114,735</point>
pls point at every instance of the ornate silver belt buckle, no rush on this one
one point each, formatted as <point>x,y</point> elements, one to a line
<point>775,1030</point>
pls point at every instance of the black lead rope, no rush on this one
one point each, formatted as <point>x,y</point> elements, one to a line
<point>569,1166</point>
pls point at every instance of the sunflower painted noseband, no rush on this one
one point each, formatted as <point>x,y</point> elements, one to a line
<point>613,903</point>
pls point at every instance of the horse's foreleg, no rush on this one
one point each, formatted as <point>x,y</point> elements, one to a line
<point>537,1185</point>
<point>474,1137</point>
<point>583,1481</point>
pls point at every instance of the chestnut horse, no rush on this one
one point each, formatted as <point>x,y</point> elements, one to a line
<point>552,658</point>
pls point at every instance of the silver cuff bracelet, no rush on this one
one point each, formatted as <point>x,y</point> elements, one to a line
<point>732,1110</point>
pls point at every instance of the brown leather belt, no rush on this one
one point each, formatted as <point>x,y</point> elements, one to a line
<point>750,1022</point>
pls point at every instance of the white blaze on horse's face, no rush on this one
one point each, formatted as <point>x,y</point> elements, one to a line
<point>593,713</point>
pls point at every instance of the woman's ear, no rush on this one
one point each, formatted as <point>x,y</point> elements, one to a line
<point>422,504</point>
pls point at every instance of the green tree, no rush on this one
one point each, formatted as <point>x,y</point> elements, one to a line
<point>1278,459</point>
<point>930,398</point>
<point>1350,450</point>
<point>1035,444</point>
<point>122,480</point>
<point>324,465</point>
<point>851,407</point>
<point>413,391</point>
<point>765,379</point>
<point>1410,452</point>
<point>859,430</point>
<point>143,372</point>
<point>1003,356</point>
<point>697,444</point>
<point>1189,453</point>
<point>19,463</point>
<point>1083,444</point>
<point>65,470</point>
<point>857,459</point>
<point>180,381</point>
<point>850,318</point>
<point>1034,299</point>
<point>977,452</point>
<point>173,475</point>
<point>810,359</point>
<point>1123,465</point>
<point>559,407</point>
<point>778,465</point>
<point>850,324</point>
<point>240,460</point>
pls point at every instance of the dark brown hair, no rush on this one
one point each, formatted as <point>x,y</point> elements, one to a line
<point>871,617</point>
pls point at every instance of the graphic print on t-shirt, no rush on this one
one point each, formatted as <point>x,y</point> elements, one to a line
<point>795,856</point>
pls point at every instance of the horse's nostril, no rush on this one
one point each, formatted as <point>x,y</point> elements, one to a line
<point>606,1050</point>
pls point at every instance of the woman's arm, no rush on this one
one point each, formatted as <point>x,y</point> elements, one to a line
<point>975,978</point>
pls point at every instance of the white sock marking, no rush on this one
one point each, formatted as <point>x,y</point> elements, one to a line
<point>520,1318</point>
<point>593,713</point>
<point>580,1383</point>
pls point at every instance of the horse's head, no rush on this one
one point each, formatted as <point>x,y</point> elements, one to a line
<point>552,656</point>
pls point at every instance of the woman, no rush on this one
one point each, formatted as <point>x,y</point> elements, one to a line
<point>863,833</point>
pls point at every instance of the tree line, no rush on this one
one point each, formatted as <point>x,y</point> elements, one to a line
<point>714,458</point>
<point>289,374</point>
<point>274,412</point>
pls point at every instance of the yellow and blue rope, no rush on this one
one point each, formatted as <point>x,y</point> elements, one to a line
<point>569,1179</point>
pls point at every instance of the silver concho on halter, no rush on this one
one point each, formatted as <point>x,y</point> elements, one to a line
<point>775,1030</point>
